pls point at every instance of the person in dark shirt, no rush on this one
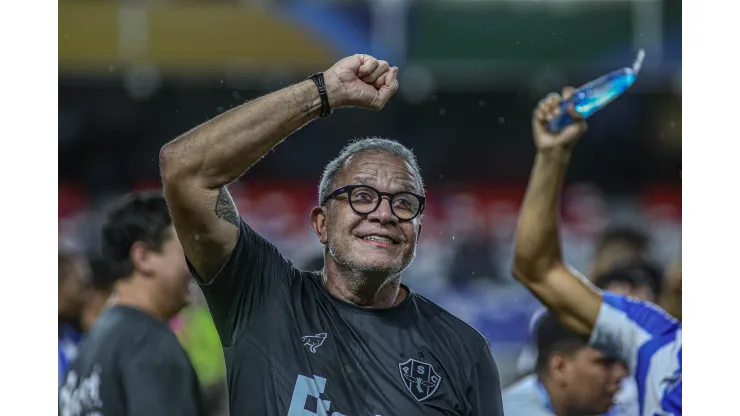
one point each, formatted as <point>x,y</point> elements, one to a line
<point>350,339</point>
<point>130,362</point>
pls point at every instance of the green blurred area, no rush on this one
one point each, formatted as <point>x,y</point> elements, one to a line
<point>198,336</point>
<point>497,31</point>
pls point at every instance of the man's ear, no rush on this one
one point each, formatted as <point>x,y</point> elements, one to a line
<point>559,367</point>
<point>141,258</point>
<point>318,223</point>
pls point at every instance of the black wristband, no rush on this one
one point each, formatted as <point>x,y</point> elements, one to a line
<point>318,79</point>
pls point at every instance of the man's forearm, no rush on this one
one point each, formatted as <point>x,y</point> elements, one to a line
<point>220,150</point>
<point>538,238</point>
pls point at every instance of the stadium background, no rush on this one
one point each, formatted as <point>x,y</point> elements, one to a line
<point>135,74</point>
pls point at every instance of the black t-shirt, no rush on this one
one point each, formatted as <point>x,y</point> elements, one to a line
<point>293,349</point>
<point>130,364</point>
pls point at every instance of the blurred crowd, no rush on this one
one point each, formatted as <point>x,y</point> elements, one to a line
<point>474,284</point>
<point>85,285</point>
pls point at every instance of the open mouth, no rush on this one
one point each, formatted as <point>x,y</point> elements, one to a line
<point>380,239</point>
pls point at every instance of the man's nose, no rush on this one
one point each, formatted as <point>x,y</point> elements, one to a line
<point>383,214</point>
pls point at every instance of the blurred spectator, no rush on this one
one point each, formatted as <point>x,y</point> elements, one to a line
<point>130,359</point>
<point>571,378</point>
<point>72,295</point>
<point>72,283</point>
<point>670,300</point>
<point>617,246</point>
<point>639,280</point>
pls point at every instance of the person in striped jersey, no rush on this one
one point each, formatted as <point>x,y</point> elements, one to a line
<point>640,333</point>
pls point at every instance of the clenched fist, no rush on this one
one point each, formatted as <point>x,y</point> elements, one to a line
<point>360,81</point>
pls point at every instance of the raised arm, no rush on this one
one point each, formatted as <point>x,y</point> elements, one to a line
<point>197,166</point>
<point>538,261</point>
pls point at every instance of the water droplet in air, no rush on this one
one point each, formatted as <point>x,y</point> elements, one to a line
<point>501,120</point>
<point>442,111</point>
<point>481,103</point>
<point>220,109</point>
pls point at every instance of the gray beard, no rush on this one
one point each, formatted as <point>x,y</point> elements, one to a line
<point>362,273</point>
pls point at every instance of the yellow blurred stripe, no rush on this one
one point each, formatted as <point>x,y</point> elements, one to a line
<point>88,32</point>
<point>220,35</point>
<point>187,37</point>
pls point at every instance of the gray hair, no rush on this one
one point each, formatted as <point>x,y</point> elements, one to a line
<point>367,145</point>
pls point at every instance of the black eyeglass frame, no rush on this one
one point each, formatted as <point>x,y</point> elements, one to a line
<point>347,189</point>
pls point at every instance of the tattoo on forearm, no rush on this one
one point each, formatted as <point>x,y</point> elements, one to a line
<point>225,208</point>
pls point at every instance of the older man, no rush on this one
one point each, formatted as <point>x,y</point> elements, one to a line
<point>350,339</point>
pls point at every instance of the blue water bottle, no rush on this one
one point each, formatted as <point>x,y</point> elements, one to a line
<point>595,95</point>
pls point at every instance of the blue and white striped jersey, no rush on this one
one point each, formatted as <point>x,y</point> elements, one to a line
<point>649,341</point>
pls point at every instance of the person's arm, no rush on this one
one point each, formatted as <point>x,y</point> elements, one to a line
<point>197,166</point>
<point>538,261</point>
<point>484,392</point>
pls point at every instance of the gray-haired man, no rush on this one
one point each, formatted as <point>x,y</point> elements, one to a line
<point>351,339</point>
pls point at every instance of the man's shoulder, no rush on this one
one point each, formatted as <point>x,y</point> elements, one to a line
<point>126,332</point>
<point>526,387</point>
<point>443,320</point>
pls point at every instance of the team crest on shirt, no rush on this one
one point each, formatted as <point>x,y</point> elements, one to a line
<point>420,378</point>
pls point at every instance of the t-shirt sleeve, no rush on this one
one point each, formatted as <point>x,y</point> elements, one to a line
<point>160,383</point>
<point>625,324</point>
<point>253,272</point>
<point>484,392</point>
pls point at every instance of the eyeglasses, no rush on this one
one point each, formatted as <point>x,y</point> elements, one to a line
<point>365,199</point>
